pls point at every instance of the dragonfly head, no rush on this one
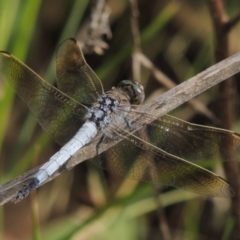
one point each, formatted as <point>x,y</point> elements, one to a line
<point>134,90</point>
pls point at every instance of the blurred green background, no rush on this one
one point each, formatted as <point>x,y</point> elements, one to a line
<point>87,203</point>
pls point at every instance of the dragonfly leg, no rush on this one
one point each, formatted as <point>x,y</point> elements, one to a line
<point>129,125</point>
<point>99,143</point>
<point>24,192</point>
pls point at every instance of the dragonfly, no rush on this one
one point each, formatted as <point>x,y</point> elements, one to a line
<point>161,150</point>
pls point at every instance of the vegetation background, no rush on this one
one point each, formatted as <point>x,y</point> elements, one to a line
<point>181,38</point>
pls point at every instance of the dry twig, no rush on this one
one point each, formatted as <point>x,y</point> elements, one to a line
<point>225,101</point>
<point>163,225</point>
<point>136,66</point>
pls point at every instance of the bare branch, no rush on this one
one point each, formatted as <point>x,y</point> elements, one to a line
<point>136,41</point>
<point>225,99</point>
<point>136,66</point>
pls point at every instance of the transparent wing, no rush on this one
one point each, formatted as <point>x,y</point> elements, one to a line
<point>192,142</point>
<point>164,151</point>
<point>74,75</point>
<point>189,141</point>
<point>59,115</point>
<point>140,160</point>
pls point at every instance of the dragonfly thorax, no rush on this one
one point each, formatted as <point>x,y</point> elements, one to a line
<point>126,93</point>
<point>101,111</point>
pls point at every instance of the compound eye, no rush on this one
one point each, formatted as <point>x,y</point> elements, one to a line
<point>134,90</point>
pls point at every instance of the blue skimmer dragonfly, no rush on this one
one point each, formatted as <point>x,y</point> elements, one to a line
<point>161,150</point>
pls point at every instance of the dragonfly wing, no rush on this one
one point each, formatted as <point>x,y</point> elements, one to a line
<point>140,160</point>
<point>59,115</point>
<point>74,75</point>
<point>192,142</point>
<point>186,140</point>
